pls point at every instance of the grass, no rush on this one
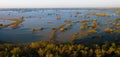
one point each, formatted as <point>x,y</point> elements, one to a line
<point>14,24</point>
<point>118,11</point>
<point>49,49</point>
<point>108,30</point>
<point>33,30</point>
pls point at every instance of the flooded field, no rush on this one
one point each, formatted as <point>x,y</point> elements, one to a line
<point>59,32</point>
<point>79,25</point>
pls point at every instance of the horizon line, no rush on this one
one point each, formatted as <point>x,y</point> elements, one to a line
<point>61,7</point>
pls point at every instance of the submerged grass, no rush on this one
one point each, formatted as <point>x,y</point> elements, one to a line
<point>14,24</point>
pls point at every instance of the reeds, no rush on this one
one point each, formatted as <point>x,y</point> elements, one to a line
<point>108,30</point>
<point>52,35</point>
<point>48,49</point>
<point>33,30</point>
<point>118,11</point>
<point>15,24</point>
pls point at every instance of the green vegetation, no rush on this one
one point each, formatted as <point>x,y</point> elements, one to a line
<point>102,14</point>
<point>14,24</point>
<point>49,49</point>
<point>33,30</point>
<point>118,11</point>
<point>108,30</point>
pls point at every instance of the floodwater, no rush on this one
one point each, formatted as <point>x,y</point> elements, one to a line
<point>47,19</point>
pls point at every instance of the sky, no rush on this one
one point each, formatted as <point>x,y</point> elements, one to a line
<point>58,3</point>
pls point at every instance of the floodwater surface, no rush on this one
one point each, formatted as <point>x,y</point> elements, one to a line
<point>48,20</point>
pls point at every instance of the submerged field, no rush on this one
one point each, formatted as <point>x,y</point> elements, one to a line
<point>59,32</point>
